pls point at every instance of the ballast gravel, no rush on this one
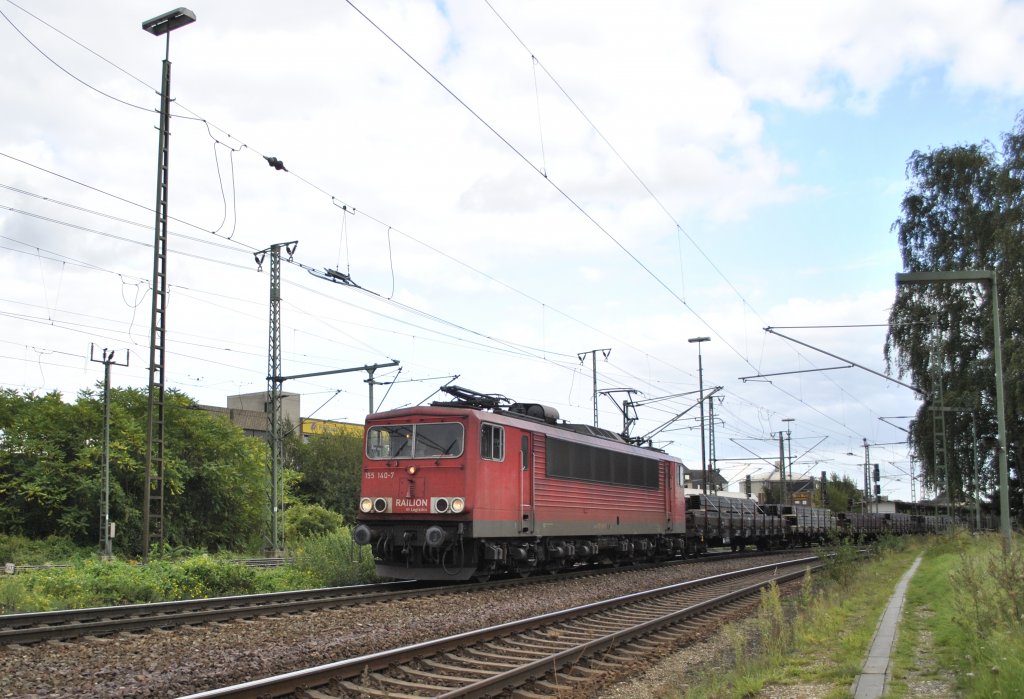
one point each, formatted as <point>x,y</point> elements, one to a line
<point>191,659</point>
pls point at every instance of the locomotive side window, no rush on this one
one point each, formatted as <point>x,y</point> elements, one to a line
<point>492,442</point>
<point>586,463</point>
<point>433,439</point>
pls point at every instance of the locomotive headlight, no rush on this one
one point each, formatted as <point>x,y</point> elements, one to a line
<point>366,505</point>
<point>380,505</point>
<point>411,470</point>
<point>458,505</point>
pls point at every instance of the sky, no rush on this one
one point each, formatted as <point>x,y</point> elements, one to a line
<point>509,186</point>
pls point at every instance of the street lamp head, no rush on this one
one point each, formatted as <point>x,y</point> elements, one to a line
<point>169,21</point>
<point>698,339</point>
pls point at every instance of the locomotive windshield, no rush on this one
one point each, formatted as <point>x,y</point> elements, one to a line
<point>420,441</point>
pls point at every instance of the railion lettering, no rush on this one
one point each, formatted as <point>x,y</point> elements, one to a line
<point>412,502</point>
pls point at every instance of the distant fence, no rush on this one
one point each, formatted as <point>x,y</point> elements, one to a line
<point>12,569</point>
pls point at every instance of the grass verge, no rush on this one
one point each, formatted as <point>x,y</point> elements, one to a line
<point>963,623</point>
<point>320,561</point>
<point>961,634</point>
<point>812,643</point>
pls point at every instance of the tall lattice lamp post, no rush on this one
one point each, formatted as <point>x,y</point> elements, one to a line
<point>153,496</point>
<point>700,379</point>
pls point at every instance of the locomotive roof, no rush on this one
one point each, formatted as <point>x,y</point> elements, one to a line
<point>515,412</point>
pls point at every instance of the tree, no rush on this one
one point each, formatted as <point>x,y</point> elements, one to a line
<point>841,492</point>
<point>331,466</point>
<point>46,484</point>
<point>304,520</point>
<point>51,471</point>
<point>216,480</point>
<point>962,211</point>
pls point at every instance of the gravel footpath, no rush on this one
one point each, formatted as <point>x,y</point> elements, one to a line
<point>192,659</point>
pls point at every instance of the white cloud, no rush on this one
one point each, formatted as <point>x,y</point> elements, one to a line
<point>689,94</point>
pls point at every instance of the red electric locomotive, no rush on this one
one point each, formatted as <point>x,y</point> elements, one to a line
<point>481,485</point>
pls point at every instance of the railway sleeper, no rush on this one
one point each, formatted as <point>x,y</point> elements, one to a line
<point>629,616</point>
<point>498,658</point>
<point>568,676</point>
<point>510,652</point>
<point>554,687</point>
<point>585,671</point>
<point>665,608</point>
<point>436,679</point>
<point>316,694</point>
<point>527,694</point>
<point>461,669</point>
<point>662,637</point>
<point>596,626</point>
<point>479,663</point>
<point>361,690</point>
<point>604,664</point>
<point>573,635</point>
<point>388,681</point>
<point>630,652</point>
<point>645,644</point>
<point>537,642</point>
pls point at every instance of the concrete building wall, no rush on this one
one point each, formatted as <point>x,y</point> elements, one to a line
<point>257,402</point>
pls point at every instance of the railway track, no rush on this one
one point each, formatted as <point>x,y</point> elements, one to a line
<point>101,621</point>
<point>536,657</point>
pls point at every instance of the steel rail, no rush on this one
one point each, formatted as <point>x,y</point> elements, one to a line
<point>33,627</point>
<point>520,673</point>
<point>543,666</point>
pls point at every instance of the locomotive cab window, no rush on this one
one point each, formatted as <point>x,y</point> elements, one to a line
<point>426,440</point>
<point>492,442</point>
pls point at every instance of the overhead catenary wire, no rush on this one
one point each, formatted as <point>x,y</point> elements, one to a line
<point>389,231</point>
<point>208,125</point>
<point>65,70</point>
<point>586,214</point>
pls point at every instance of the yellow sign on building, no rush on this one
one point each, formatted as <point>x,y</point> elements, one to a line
<point>311,427</point>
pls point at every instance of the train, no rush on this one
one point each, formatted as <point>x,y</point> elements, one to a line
<point>480,485</point>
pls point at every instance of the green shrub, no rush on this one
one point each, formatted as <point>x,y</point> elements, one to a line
<point>288,577</point>
<point>303,521</point>
<point>334,559</point>
<point>16,596</point>
<point>204,576</point>
<point>974,593</point>
<point>841,564</point>
<point>99,584</point>
<point>53,549</point>
<point>775,633</point>
<point>329,559</point>
<point>890,543</point>
<point>989,590</point>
